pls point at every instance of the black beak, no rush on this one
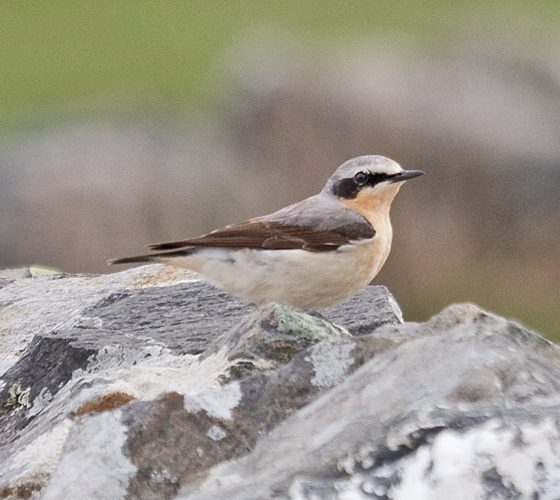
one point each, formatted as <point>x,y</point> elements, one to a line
<point>406,175</point>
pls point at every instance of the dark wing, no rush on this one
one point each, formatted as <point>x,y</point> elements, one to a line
<point>270,234</point>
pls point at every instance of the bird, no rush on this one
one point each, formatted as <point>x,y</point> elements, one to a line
<point>311,254</point>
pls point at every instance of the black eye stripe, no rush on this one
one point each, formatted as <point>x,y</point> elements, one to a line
<point>377,178</point>
<point>349,188</point>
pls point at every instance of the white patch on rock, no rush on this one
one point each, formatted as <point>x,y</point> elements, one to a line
<point>331,363</point>
<point>150,372</point>
<point>346,464</point>
<point>158,275</point>
<point>7,361</point>
<point>151,376</point>
<point>113,357</point>
<point>492,459</point>
<point>40,402</point>
<point>34,462</point>
<point>453,466</point>
<point>352,489</point>
<point>93,464</point>
<point>190,277</point>
<point>216,402</point>
<point>396,308</point>
<point>216,433</point>
<point>326,433</point>
<point>88,322</point>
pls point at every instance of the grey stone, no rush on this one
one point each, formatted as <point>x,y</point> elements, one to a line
<point>416,422</point>
<point>15,273</point>
<point>72,345</point>
<point>149,384</point>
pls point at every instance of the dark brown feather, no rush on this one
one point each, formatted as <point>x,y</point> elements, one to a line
<point>267,234</point>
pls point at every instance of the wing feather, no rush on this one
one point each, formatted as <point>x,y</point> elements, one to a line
<point>270,234</point>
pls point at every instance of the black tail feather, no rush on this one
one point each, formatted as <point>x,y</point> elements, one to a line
<point>167,246</point>
<point>150,257</point>
<point>130,260</point>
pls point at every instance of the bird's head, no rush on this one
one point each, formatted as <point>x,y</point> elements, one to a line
<point>368,181</point>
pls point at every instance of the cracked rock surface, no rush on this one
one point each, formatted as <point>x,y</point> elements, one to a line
<point>149,384</point>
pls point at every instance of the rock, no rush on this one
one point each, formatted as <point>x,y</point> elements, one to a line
<point>15,273</point>
<point>149,384</point>
<point>7,276</point>
<point>463,403</point>
<point>74,346</point>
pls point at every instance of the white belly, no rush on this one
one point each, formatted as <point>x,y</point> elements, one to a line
<point>308,280</point>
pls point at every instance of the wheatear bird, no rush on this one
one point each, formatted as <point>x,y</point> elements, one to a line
<point>310,254</point>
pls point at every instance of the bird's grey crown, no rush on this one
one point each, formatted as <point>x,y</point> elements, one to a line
<point>371,163</point>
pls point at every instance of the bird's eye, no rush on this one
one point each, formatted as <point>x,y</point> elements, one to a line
<point>361,178</point>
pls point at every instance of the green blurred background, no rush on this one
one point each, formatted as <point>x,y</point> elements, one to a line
<point>124,123</point>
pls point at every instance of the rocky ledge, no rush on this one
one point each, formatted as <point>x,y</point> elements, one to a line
<point>149,384</point>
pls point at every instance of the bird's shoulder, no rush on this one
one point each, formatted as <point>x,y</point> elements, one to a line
<point>313,224</point>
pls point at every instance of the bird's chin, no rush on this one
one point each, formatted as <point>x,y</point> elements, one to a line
<point>386,193</point>
<point>388,190</point>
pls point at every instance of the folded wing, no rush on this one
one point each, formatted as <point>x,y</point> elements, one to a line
<point>270,234</point>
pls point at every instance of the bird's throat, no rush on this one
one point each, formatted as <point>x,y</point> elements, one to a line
<point>374,204</point>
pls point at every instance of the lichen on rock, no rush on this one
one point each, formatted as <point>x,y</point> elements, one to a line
<point>18,397</point>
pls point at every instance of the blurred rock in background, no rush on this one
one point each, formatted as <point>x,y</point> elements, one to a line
<point>479,113</point>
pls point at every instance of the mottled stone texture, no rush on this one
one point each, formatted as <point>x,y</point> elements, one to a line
<point>148,384</point>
